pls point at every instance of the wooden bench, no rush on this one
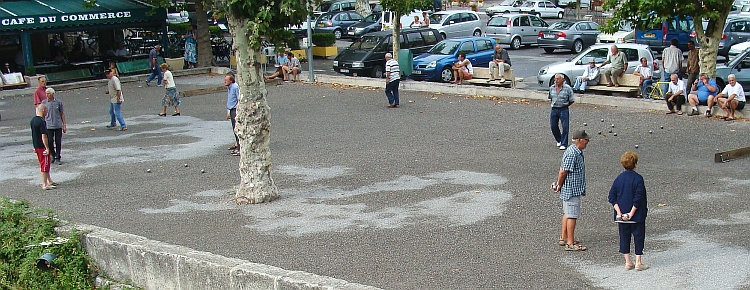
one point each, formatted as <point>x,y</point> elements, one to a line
<point>629,85</point>
<point>71,75</point>
<point>136,66</point>
<point>482,75</point>
<point>13,80</point>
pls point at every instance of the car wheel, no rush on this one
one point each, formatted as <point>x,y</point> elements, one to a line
<point>377,72</point>
<point>443,35</point>
<point>577,46</point>
<point>538,14</point>
<point>560,15</point>
<point>549,49</point>
<point>477,33</point>
<point>446,75</point>
<point>507,11</point>
<point>337,33</point>
<point>515,43</point>
<point>720,83</point>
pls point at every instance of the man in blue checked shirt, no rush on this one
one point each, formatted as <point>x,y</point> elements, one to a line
<point>571,184</point>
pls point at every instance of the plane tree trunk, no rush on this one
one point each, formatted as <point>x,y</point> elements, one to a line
<point>205,56</point>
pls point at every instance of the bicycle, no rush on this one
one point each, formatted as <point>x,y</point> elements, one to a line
<point>655,91</point>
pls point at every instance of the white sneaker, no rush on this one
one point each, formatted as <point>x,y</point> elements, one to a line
<point>502,80</point>
<point>562,147</point>
<point>558,144</point>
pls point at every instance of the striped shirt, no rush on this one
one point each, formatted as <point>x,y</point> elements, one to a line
<point>575,182</point>
<point>392,66</point>
<point>561,99</point>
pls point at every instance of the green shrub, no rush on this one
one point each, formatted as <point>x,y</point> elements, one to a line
<point>179,28</point>
<point>21,225</point>
<point>215,30</point>
<point>323,39</point>
<point>291,40</point>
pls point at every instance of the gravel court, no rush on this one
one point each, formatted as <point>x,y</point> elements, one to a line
<point>446,192</point>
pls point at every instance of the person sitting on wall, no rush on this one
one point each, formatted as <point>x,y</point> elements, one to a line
<point>282,64</point>
<point>6,68</point>
<point>121,50</point>
<point>462,69</point>
<point>643,72</point>
<point>732,98</point>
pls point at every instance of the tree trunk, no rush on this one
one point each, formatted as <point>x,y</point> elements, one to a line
<point>205,55</point>
<point>253,120</point>
<point>363,7</point>
<point>708,40</point>
<point>396,33</point>
<point>578,9</point>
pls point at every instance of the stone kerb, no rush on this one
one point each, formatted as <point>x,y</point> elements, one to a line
<point>156,265</point>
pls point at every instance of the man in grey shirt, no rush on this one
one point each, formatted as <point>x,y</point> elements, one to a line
<point>619,65</point>
<point>500,62</point>
<point>55,120</point>
<point>154,63</point>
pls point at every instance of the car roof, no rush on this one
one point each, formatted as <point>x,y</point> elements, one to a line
<point>451,12</point>
<point>512,14</point>
<point>464,38</point>
<point>620,45</point>
<point>403,30</point>
<point>338,12</point>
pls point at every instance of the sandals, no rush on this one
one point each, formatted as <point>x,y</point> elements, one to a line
<point>233,147</point>
<point>641,267</point>
<point>629,266</point>
<point>561,242</point>
<point>575,247</point>
<point>235,153</point>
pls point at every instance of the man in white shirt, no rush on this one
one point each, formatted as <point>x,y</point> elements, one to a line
<point>462,69</point>
<point>392,80</point>
<point>671,60</point>
<point>732,98</point>
<point>590,77</point>
<point>644,73</point>
<point>675,95</point>
<point>293,67</point>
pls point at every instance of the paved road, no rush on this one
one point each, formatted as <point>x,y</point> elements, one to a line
<point>446,192</point>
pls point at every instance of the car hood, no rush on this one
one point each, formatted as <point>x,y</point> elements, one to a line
<point>617,35</point>
<point>362,24</point>
<point>426,58</point>
<point>349,55</point>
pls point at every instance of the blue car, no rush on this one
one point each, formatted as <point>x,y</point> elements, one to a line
<point>435,65</point>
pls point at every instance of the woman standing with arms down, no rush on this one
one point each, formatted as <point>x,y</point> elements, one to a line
<point>628,198</point>
<point>191,45</point>
<point>171,97</point>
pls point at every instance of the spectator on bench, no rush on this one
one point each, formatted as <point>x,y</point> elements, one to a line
<point>282,63</point>
<point>619,65</point>
<point>644,73</point>
<point>705,91</point>
<point>590,77</point>
<point>732,98</point>
<point>462,69</point>
<point>500,62</point>
<point>293,67</point>
<point>675,95</point>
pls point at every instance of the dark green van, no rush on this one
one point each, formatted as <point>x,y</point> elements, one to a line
<point>366,56</point>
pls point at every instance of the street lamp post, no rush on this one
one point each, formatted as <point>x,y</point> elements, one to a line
<point>311,77</point>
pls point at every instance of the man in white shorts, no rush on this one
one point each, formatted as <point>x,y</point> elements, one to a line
<point>732,98</point>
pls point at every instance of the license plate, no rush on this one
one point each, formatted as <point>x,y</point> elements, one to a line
<point>649,35</point>
<point>343,70</point>
<point>417,72</point>
<point>321,25</point>
<point>549,36</point>
<point>350,33</point>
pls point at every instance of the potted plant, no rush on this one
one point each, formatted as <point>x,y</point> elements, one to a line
<point>474,7</point>
<point>292,42</point>
<point>324,44</point>
<point>174,58</point>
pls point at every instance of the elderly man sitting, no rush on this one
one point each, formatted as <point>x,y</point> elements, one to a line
<point>675,95</point>
<point>590,77</point>
<point>732,98</point>
<point>705,92</point>
<point>619,65</point>
<point>500,62</point>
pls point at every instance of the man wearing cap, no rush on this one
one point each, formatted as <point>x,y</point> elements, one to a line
<point>571,185</point>
<point>154,63</point>
<point>392,80</point>
<point>590,77</point>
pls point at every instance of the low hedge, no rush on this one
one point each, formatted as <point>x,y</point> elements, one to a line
<point>323,39</point>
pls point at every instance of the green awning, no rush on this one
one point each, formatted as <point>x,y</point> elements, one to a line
<point>52,14</point>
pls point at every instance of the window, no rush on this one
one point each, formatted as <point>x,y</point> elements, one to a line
<point>631,54</point>
<point>582,26</point>
<point>599,56</point>
<point>467,47</point>
<point>499,21</point>
<point>342,17</point>
<point>517,21</point>
<point>386,45</point>
<point>738,26</point>
<point>429,37</point>
<point>414,39</point>
<point>456,18</point>
<point>525,21</point>
<point>355,17</point>
<point>685,26</point>
<point>472,17</point>
<point>536,22</point>
<point>593,26</point>
<point>484,45</point>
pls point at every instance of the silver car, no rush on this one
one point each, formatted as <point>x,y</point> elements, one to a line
<point>507,6</point>
<point>575,66</point>
<point>575,36</point>
<point>515,29</point>
<point>542,8</point>
<point>456,23</point>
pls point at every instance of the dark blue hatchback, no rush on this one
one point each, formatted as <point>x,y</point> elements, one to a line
<point>435,65</point>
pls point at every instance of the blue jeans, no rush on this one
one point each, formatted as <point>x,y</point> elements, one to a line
<point>391,91</point>
<point>155,73</point>
<point>116,114</point>
<point>560,115</point>
<point>647,82</point>
<point>580,84</point>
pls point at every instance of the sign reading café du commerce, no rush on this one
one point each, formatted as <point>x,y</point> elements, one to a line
<point>37,21</point>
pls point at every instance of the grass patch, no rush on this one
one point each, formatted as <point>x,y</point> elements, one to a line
<point>20,226</point>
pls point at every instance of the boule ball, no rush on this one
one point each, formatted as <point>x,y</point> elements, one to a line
<point>650,132</point>
<point>602,120</point>
<point>615,134</point>
<point>585,124</point>
<point>203,171</point>
<point>186,165</point>
<point>148,170</point>
<point>636,146</point>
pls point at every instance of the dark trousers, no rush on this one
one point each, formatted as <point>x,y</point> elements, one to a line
<point>637,231</point>
<point>155,73</point>
<point>561,116</point>
<point>691,77</point>
<point>233,117</point>
<point>678,101</point>
<point>391,91</point>
<point>54,138</point>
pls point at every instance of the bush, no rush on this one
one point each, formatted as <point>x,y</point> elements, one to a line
<point>215,30</point>
<point>20,225</point>
<point>323,39</point>
<point>291,40</point>
<point>179,28</point>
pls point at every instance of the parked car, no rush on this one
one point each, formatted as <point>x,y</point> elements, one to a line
<point>740,67</point>
<point>736,30</point>
<point>572,3</point>
<point>542,8</point>
<point>178,17</point>
<point>507,6</point>
<point>515,29</point>
<point>366,55</point>
<point>404,20</point>
<point>574,66</point>
<point>456,23</point>
<point>625,34</point>
<point>333,6</point>
<point>436,64</point>
<point>336,22</point>
<point>737,49</point>
<point>371,23</point>
<point>659,38</point>
<point>575,36</point>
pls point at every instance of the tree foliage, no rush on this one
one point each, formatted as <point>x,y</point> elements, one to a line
<point>401,7</point>
<point>266,19</point>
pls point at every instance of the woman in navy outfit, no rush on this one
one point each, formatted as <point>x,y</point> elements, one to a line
<point>628,198</point>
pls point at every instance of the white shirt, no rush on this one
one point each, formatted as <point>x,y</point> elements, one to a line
<point>674,88</point>
<point>591,73</point>
<point>392,66</point>
<point>467,67</point>
<point>644,70</point>
<point>169,79</point>
<point>672,57</point>
<point>736,90</point>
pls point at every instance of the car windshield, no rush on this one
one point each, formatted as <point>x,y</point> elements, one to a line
<point>325,17</point>
<point>325,6</point>
<point>498,21</point>
<point>528,4</point>
<point>437,18</point>
<point>562,25</point>
<point>445,47</point>
<point>365,43</point>
<point>372,18</point>
<point>507,3</point>
<point>745,8</point>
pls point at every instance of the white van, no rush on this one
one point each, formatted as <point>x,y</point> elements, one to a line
<point>387,24</point>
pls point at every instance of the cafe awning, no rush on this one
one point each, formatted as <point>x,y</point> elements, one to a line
<point>55,14</point>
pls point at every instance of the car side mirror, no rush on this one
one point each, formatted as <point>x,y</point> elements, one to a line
<point>451,22</point>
